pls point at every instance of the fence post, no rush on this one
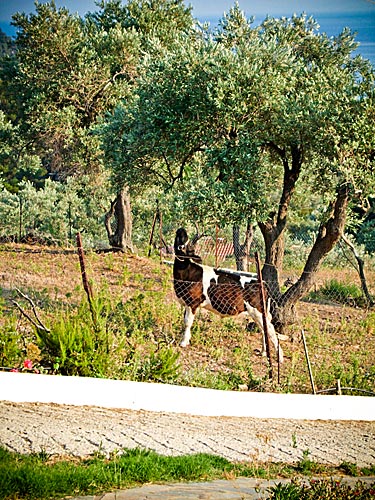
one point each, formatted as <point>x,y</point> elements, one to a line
<point>86,284</point>
<point>160,235</point>
<point>216,243</point>
<point>308,362</point>
<point>339,391</point>
<point>264,315</point>
<point>156,217</point>
<point>70,220</point>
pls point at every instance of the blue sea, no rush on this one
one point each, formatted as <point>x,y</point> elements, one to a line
<point>332,24</point>
<point>363,24</point>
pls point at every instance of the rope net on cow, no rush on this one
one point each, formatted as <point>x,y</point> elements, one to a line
<point>226,298</point>
<point>339,280</point>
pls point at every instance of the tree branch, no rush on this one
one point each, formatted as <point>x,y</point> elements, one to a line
<point>329,234</point>
<point>361,270</point>
<point>38,323</point>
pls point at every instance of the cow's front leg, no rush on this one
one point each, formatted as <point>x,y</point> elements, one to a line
<point>188,320</point>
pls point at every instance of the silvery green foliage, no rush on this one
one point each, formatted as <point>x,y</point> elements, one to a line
<point>9,212</point>
<point>16,160</point>
<point>242,109</point>
<point>56,212</point>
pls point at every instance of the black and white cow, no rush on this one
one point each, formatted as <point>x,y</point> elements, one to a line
<point>222,292</point>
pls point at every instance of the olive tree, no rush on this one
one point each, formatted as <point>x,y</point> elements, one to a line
<point>251,115</point>
<point>67,73</point>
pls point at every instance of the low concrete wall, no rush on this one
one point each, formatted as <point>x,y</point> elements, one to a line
<point>81,391</point>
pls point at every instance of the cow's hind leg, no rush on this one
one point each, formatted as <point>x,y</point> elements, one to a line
<point>275,340</point>
<point>188,321</point>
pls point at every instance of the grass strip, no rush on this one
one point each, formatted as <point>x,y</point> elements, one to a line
<point>43,477</point>
<point>38,477</point>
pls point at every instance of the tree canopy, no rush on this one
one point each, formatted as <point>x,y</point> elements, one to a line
<point>68,71</point>
<point>246,102</point>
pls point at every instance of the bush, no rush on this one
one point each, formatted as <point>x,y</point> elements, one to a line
<point>160,366</point>
<point>79,343</point>
<point>10,344</point>
<point>344,293</point>
<point>53,213</point>
<point>329,489</point>
<point>105,339</point>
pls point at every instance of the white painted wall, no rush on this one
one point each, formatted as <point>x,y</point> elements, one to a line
<point>81,391</point>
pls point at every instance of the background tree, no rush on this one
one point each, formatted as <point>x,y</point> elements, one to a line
<point>68,72</point>
<point>7,49</point>
<point>18,160</point>
<point>6,44</point>
<point>64,74</point>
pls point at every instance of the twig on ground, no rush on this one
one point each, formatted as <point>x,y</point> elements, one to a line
<point>38,323</point>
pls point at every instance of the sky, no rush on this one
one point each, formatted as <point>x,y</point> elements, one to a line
<point>211,9</point>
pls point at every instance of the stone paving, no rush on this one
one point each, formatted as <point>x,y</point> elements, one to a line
<point>81,431</point>
<point>236,489</point>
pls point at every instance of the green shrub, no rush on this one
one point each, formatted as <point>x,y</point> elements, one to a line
<point>334,290</point>
<point>56,211</point>
<point>354,378</point>
<point>366,236</point>
<point>10,344</point>
<point>147,316</point>
<point>329,489</point>
<point>79,342</point>
<point>161,365</point>
<point>109,339</point>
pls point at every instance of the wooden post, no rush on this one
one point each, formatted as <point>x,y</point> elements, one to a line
<point>339,391</point>
<point>361,270</point>
<point>70,221</point>
<point>20,220</point>
<point>152,232</point>
<point>308,362</point>
<point>156,217</point>
<point>264,315</point>
<point>85,281</point>
<point>160,236</point>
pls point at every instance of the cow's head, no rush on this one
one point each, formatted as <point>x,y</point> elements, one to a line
<point>183,247</point>
<point>181,241</point>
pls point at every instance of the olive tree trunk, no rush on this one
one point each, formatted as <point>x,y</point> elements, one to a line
<point>273,232</point>
<point>119,222</point>
<point>273,229</point>
<point>242,250</point>
<point>330,232</point>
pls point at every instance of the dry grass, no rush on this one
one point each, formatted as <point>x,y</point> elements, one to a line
<point>340,339</point>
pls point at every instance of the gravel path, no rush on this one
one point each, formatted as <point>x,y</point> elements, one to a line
<point>81,431</point>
